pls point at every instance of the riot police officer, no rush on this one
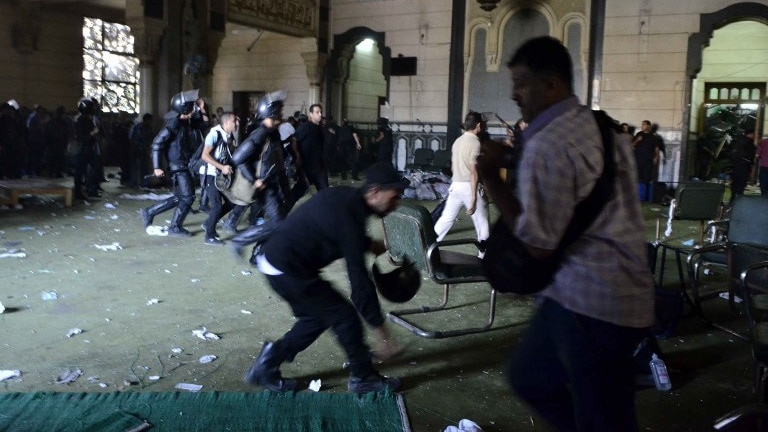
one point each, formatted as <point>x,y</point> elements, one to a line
<point>176,142</point>
<point>260,160</point>
<point>87,151</point>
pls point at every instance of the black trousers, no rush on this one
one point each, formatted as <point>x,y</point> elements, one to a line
<point>274,212</point>
<point>318,177</point>
<point>218,204</point>
<point>317,307</point>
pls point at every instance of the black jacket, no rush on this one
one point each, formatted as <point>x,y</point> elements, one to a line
<point>329,226</point>
<point>177,141</point>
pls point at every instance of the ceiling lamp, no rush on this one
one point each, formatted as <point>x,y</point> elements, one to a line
<point>488,5</point>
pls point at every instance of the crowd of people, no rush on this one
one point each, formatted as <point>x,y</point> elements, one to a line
<point>574,365</point>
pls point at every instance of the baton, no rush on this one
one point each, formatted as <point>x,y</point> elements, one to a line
<point>510,128</point>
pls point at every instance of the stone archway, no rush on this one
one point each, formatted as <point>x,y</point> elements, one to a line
<point>708,23</point>
<point>338,65</point>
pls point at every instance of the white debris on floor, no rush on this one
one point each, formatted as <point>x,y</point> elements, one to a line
<point>8,374</point>
<point>204,334</point>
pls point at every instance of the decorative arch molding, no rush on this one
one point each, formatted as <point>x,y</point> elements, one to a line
<point>708,23</point>
<point>343,47</point>
<point>573,19</point>
<point>506,13</point>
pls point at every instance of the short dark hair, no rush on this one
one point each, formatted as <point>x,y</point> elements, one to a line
<point>472,119</point>
<point>312,107</point>
<point>545,55</point>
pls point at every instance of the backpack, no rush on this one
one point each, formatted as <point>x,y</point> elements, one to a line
<point>196,161</point>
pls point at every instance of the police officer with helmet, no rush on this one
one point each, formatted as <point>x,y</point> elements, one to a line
<point>87,133</point>
<point>176,142</point>
<point>259,159</point>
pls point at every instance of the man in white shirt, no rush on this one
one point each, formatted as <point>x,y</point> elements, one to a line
<point>216,154</point>
<point>465,189</point>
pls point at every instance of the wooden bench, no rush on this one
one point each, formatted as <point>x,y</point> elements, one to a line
<point>11,190</point>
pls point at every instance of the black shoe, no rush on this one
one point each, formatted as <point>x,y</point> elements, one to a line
<point>264,374</point>
<point>213,241</point>
<point>372,383</point>
<point>146,218</point>
<point>178,232</point>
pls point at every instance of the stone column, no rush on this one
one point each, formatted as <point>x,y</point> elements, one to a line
<point>340,81</point>
<point>147,33</point>
<point>315,63</point>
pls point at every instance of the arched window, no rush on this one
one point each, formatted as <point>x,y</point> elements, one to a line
<point>110,71</point>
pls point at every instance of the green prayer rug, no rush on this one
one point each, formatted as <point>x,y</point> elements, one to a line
<point>203,411</point>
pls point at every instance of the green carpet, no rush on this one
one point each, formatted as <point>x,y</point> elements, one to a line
<point>204,411</point>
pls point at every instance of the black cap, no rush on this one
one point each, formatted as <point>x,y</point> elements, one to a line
<point>383,175</point>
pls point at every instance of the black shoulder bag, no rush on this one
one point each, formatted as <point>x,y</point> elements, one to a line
<point>509,266</point>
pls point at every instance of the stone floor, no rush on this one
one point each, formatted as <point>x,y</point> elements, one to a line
<point>136,298</point>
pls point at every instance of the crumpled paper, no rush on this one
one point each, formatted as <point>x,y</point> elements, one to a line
<point>8,374</point>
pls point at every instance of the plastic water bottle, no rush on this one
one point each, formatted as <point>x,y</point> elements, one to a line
<point>660,375</point>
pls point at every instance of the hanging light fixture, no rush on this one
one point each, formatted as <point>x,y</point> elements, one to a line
<point>488,5</point>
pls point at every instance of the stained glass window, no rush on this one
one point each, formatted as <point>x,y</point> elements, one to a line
<point>110,71</point>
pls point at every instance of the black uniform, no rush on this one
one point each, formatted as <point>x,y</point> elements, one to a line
<point>329,226</point>
<point>176,142</point>
<point>309,137</point>
<point>261,156</point>
<point>86,158</point>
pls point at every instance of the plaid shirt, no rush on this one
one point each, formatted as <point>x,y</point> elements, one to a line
<point>605,273</point>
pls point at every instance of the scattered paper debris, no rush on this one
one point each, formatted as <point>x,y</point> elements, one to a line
<point>8,374</point>
<point>103,385</point>
<point>74,331</point>
<point>68,376</point>
<point>2,308</point>
<point>189,387</point>
<point>314,385</point>
<point>144,197</point>
<point>114,246</point>
<point>153,301</point>
<point>247,312</point>
<point>49,295</point>
<point>204,334</point>
<point>13,255</point>
<point>26,228</point>
<point>194,280</point>
<point>109,206</point>
<point>177,350</point>
<point>246,272</point>
<point>207,358</point>
<point>154,377</point>
<point>93,379</point>
<point>155,230</point>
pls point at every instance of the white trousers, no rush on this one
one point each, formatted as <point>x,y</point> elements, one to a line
<point>459,198</point>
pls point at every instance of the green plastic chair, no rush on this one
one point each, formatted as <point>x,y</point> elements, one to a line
<point>409,234</point>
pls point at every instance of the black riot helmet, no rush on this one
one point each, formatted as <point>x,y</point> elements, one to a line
<point>270,106</point>
<point>399,285</point>
<point>86,106</point>
<point>184,102</point>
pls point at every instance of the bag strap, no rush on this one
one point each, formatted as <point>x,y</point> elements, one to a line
<point>587,210</point>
